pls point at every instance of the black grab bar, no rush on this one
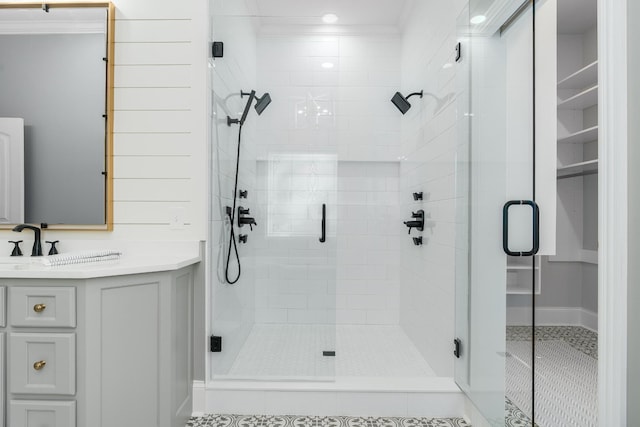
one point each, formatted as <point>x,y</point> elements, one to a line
<point>323,238</point>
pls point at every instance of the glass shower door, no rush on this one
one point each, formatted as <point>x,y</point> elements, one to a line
<point>496,209</point>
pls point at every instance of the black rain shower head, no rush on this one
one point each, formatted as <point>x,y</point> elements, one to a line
<point>402,103</point>
<point>263,103</point>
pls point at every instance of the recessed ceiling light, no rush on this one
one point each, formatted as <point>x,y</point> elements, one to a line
<point>327,65</point>
<point>478,19</point>
<point>330,18</point>
<point>447,65</point>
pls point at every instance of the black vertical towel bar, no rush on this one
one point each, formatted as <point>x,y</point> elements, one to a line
<point>323,238</point>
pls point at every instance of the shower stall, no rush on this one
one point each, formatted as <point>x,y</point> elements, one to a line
<point>372,277</point>
<point>333,287</point>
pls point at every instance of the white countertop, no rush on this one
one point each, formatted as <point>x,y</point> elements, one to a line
<point>31,268</point>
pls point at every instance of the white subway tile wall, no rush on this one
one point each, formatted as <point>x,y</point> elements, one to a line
<point>429,144</point>
<point>340,137</point>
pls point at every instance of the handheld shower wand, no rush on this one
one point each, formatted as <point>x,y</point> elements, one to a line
<point>261,104</point>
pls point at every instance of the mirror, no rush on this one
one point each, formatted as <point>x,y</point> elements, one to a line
<point>56,109</point>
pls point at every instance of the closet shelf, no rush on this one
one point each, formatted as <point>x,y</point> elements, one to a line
<point>586,135</point>
<point>585,77</point>
<point>585,99</point>
<point>578,169</point>
<point>519,267</point>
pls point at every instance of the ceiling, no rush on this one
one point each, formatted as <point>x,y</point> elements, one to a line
<point>382,13</point>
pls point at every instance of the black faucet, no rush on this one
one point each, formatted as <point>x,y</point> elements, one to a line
<point>37,245</point>
<point>244,219</point>
<point>417,222</point>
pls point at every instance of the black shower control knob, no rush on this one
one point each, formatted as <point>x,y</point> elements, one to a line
<point>243,194</point>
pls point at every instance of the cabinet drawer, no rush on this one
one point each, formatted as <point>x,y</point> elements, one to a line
<point>43,307</point>
<point>42,363</point>
<point>39,413</point>
<point>3,310</point>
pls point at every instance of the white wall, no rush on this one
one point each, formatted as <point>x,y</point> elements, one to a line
<point>633,342</point>
<point>159,123</point>
<point>429,158</point>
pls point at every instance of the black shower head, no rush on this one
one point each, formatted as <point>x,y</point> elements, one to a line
<point>263,103</point>
<point>402,103</point>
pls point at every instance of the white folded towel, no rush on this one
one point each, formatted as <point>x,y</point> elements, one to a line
<point>81,257</point>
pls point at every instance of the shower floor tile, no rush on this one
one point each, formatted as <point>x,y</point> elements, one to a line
<point>287,351</point>
<point>307,421</point>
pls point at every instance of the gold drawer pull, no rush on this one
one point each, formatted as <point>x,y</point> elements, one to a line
<point>39,308</point>
<point>39,365</point>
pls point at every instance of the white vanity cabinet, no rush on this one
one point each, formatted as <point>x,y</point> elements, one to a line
<point>112,351</point>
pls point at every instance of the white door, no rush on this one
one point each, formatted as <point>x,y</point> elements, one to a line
<point>11,170</point>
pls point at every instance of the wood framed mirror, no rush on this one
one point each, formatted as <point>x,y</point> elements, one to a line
<point>56,78</point>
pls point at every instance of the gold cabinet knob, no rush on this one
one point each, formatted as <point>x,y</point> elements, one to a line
<point>39,308</point>
<point>39,365</point>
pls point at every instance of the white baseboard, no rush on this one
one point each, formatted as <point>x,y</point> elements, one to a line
<point>553,316</point>
<point>473,416</point>
<point>199,398</point>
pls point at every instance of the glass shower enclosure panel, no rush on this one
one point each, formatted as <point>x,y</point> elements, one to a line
<point>296,263</point>
<point>496,211</point>
<point>278,321</point>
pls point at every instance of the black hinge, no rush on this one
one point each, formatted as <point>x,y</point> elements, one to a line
<point>217,49</point>
<point>457,347</point>
<point>216,344</point>
<point>458,52</point>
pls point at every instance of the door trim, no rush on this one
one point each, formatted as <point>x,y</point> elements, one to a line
<point>612,215</point>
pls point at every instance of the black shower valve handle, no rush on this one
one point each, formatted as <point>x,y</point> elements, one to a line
<point>417,222</point>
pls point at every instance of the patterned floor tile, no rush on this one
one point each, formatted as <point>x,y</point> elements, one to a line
<point>566,376</point>
<point>580,338</point>
<point>514,417</point>
<point>310,421</point>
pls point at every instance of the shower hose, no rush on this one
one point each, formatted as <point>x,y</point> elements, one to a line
<point>232,217</point>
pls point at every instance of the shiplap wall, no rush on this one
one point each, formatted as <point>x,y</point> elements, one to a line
<point>160,148</point>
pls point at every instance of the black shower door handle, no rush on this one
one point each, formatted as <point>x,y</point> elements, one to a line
<point>323,237</point>
<point>536,227</point>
